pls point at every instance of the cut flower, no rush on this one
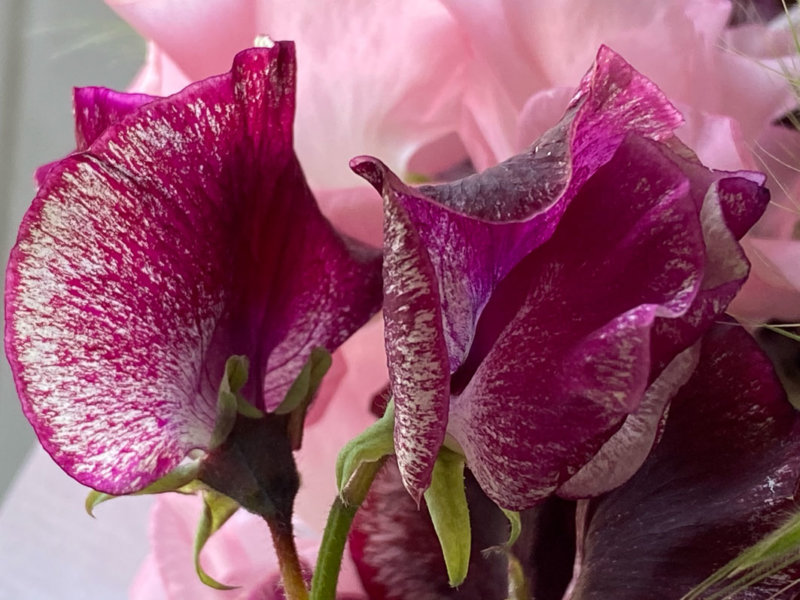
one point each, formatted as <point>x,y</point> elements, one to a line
<point>182,232</point>
<point>539,315</point>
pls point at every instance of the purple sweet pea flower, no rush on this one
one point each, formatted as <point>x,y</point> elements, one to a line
<point>724,474</point>
<point>182,232</point>
<point>540,314</point>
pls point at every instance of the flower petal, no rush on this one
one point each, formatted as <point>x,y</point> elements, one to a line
<point>185,234</point>
<point>625,451</point>
<point>452,244</point>
<point>724,474</point>
<point>95,110</point>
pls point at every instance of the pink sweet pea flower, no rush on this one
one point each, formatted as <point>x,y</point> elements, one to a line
<point>378,77</point>
<point>729,84</point>
<point>539,313</point>
<point>181,233</point>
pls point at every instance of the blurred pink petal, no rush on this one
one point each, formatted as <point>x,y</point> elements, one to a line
<point>348,413</point>
<point>239,554</point>
<point>377,77</point>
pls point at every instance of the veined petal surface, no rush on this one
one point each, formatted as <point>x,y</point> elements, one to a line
<point>183,234</point>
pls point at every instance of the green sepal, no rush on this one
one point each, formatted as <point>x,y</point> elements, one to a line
<point>94,498</point>
<point>447,504</point>
<point>217,509</point>
<point>371,445</point>
<point>244,408</point>
<point>175,481</point>
<point>302,391</point>
<point>772,554</point>
<point>307,382</point>
<point>515,522</point>
<point>229,402</point>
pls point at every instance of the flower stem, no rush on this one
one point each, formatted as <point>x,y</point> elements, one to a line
<point>329,561</point>
<point>294,585</point>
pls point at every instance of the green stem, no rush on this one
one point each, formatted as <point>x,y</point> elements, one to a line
<point>329,561</point>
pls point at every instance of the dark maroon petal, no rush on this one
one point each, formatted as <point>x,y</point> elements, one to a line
<point>725,473</point>
<point>398,556</point>
<point>183,235</point>
<point>468,235</point>
<point>574,360</point>
<point>546,547</point>
<point>737,199</point>
<point>625,451</point>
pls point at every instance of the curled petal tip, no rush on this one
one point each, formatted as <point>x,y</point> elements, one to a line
<point>371,169</point>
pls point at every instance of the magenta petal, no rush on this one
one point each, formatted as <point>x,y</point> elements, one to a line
<point>183,235</point>
<point>725,473</point>
<point>625,451</point>
<point>97,108</point>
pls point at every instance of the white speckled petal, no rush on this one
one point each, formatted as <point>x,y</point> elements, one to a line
<point>185,233</point>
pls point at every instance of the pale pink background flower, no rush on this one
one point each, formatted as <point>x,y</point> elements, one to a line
<point>730,86</point>
<point>378,77</point>
<point>236,555</point>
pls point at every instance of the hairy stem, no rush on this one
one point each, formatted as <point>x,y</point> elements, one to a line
<point>283,538</point>
<point>329,561</point>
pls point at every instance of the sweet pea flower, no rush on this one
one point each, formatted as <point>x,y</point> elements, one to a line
<point>182,232</point>
<point>540,315</point>
<point>725,473</point>
<point>376,77</point>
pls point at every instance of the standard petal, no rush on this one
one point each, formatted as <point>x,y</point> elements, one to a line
<point>724,474</point>
<point>185,234</point>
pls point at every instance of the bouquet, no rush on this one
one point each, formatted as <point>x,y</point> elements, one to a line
<point>445,299</point>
